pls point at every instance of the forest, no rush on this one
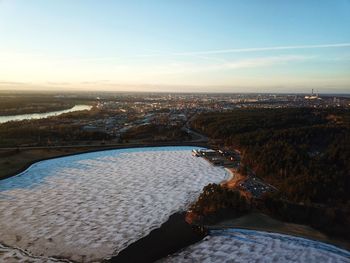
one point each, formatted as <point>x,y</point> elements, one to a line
<point>303,152</point>
<point>216,203</point>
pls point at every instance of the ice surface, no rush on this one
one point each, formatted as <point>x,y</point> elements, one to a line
<point>238,245</point>
<point>90,206</point>
<point>15,255</point>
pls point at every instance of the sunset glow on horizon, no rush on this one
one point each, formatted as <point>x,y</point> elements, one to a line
<point>181,46</point>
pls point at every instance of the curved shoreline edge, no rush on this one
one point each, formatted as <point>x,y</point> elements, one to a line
<point>317,243</point>
<point>99,149</point>
<point>334,243</point>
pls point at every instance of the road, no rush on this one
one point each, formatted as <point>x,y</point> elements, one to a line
<point>186,128</point>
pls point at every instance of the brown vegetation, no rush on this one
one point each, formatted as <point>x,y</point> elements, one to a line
<point>302,152</point>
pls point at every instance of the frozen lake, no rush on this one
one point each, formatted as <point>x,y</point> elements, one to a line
<point>91,206</point>
<point>239,245</point>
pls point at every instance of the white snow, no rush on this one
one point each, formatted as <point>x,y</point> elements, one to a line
<point>238,245</point>
<point>91,206</point>
<point>15,255</point>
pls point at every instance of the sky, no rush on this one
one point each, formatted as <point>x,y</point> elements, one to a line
<point>178,45</point>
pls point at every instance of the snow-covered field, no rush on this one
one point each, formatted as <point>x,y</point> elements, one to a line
<point>238,245</point>
<point>90,206</point>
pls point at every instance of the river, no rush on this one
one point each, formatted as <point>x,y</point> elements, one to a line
<point>33,116</point>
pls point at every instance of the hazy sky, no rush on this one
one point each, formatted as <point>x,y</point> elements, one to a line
<point>178,45</point>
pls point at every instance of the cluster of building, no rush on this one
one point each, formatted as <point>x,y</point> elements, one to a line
<point>250,184</point>
<point>255,186</point>
<point>227,159</point>
<point>189,103</point>
<point>114,114</point>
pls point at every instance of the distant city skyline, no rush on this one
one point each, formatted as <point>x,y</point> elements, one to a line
<point>175,46</point>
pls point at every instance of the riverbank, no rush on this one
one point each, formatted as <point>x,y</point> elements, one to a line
<point>174,235</point>
<point>16,160</point>
<point>43,115</point>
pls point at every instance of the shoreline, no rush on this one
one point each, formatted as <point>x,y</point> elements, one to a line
<point>42,115</point>
<point>230,177</point>
<point>98,149</point>
<point>262,222</point>
<point>331,242</point>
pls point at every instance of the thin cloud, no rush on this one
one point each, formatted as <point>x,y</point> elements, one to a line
<point>181,68</point>
<point>201,54</point>
<point>258,49</point>
<point>204,55</point>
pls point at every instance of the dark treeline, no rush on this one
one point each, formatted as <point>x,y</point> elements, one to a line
<point>47,132</point>
<point>334,221</point>
<point>305,153</point>
<point>215,197</point>
<point>216,203</point>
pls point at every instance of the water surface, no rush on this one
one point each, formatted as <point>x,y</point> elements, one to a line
<point>242,245</point>
<point>33,116</point>
<point>90,206</point>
